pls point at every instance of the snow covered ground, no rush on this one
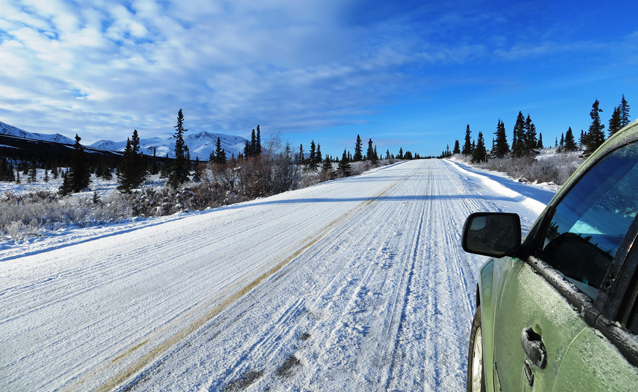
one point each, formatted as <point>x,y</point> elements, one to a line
<point>355,284</point>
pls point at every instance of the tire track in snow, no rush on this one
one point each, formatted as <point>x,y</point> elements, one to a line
<point>165,345</point>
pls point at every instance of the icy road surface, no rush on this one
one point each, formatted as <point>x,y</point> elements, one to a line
<point>357,284</point>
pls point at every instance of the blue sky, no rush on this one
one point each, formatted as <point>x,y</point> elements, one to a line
<point>408,74</point>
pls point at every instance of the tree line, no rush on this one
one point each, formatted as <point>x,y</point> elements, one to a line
<point>259,171</point>
<point>527,142</point>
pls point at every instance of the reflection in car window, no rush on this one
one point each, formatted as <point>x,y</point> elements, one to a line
<point>589,224</point>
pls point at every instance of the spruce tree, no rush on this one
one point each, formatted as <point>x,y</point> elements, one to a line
<point>530,139</point>
<point>6,170</point>
<point>220,153</point>
<point>467,147</point>
<point>614,122</point>
<point>371,155</point>
<point>624,112</point>
<point>570,142</point>
<point>253,144</point>
<point>78,177</point>
<point>501,148</point>
<point>32,172</point>
<point>132,170</point>
<point>358,150</point>
<point>457,148</point>
<point>257,147</point>
<point>179,174</point>
<point>154,164</point>
<point>518,139</point>
<point>312,159</point>
<point>318,157</point>
<point>344,165</point>
<point>479,154</point>
<point>540,141</point>
<point>326,167</point>
<point>595,135</point>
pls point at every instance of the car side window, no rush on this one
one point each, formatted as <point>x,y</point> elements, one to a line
<point>590,222</point>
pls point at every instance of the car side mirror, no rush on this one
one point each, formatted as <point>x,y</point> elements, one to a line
<point>492,234</point>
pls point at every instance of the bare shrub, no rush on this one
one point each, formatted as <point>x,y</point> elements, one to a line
<point>32,214</point>
<point>555,168</point>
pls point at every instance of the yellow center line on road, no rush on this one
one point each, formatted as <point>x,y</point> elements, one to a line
<point>149,357</point>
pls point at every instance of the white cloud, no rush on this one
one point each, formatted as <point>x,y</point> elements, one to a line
<point>99,65</point>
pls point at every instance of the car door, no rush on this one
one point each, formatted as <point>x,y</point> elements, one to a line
<point>550,325</point>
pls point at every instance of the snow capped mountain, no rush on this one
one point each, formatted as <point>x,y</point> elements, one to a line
<point>9,130</point>
<point>199,144</point>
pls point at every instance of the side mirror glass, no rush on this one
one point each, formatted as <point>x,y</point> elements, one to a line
<point>491,233</point>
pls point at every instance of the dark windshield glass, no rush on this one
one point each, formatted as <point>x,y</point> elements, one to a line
<point>590,222</point>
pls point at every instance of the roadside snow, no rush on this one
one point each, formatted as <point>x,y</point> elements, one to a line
<point>355,284</point>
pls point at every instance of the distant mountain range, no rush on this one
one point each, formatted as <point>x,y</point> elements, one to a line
<point>199,144</point>
<point>6,129</point>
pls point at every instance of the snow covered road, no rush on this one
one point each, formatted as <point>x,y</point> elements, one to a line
<point>355,284</point>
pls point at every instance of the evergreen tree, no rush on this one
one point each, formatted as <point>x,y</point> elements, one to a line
<point>6,170</point>
<point>624,112</point>
<point>518,139</point>
<point>312,159</point>
<point>595,135</point>
<point>318,157</point>
<point>570,142</point>
<point>220,153</point>
<point>132,170</point>
<point>530,140</point>
<point>371,155</point>
<point>107,173</point>
<point>467,147</point>
<point>400,156</point>
<point>344,165</point>
<point>154,165</point>
<point>480,153</point>
<point>326,168</point>
<point>614,122</point>
<point>33,171</point>
<point>501,148</point>
<point>457,148</point>
<point>302,158</point>
<point>179,174</point>
<point>257,147</point>
<point>358,150</point>
<point>540,141</point>
<point>253,144</point>
<point>78,177</point>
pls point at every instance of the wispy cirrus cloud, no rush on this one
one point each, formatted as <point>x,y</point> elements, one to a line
<point>101,68</point>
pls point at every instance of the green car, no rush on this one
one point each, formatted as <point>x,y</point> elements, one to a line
<point>559,311</point>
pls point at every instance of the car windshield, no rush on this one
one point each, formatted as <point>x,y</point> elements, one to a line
<point>590,222</point>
